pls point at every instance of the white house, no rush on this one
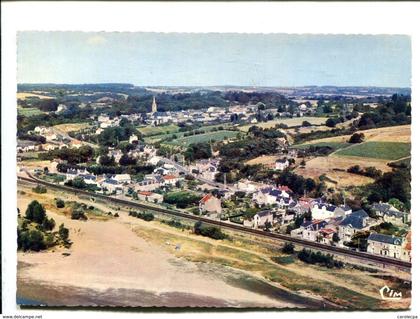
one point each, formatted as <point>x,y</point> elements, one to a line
<point>282,164</point>
<point>133,138</point>
<point>385,245</point>
<point>263,217</point>
<point>211,204</point>
<point>121,178</point>
<point>150,197</point>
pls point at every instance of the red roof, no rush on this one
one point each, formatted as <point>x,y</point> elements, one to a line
<point>327,231</point>
<point>145,193</point>
<point>285,188</point>
<point>206,198</point>
<point>167,177</point>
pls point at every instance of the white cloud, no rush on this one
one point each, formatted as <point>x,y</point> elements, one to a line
<point>96,40</point>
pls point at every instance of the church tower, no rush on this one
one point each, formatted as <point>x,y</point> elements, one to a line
<point>154,106</point>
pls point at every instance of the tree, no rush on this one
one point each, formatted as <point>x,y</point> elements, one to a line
<point>396,203</point>
<point>59,203</point>
<point>35,212</point>
<point>126,160</point>
<point>357,138</point>
<point>48,224</point>
<point>63,232</point>
<point>330,122</point>
<point>198,151</point>
<point>106,160</point>
<point>288,248</point>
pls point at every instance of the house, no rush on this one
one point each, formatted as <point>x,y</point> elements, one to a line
<point>282,164</point>
<point>406,251</point>
<point>89,179</point>
<point>150,197</point>
<point>150,183</point>
<point>390,214</point>
<point>110,184</point>
<point>122,178</point>
<point>322,210</point>
<point>309,230</point>
<point>326,235</point>
<point>262,218</point>
<point>351,224</point>
<point>26,146</point>
<point>76,144</point>
<point>133,138</point>
<point>247,186</point>
<point>211,204</point>
<point>385,245</point>
<point>171,179</point>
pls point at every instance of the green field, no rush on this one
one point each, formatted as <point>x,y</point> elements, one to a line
<point>156,130</point>
<point>30,111</point>
<point>201,138</point>
<point>290,122</point>
<point>156,138</point>
<point>333,145</point>
<point>381,150</point>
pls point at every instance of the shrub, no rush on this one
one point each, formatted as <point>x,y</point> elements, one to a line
<point>357,138</point>
<point>35,212</point>
<point>59,203</point>
<point>39,189</point>
<point>78,214</point>
<point>327,260</point>
<point>31,240</point>
<point>288,248</point>
<point>209,231</point>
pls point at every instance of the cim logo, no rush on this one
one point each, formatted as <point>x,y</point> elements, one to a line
<point>390,294</point>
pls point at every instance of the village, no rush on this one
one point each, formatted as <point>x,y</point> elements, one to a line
<point>191,186</point>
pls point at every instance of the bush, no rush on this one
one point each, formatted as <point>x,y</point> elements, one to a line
<point>311,257</point>
<point>357,138</point>
<point>63,232</point>
<point>146,216</point>
<point>31,240</point>
<point>59,203</point>
<point>78,214</point>
<point>288,248</point>
<point>48,224</point>
<point>35,212</point>
<point>209,231</point>
<point>116,215</point>
<point>39,189</point>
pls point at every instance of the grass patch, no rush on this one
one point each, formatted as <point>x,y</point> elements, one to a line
<point>29,111</point>
<point>283,260</point>
<point>381,150</point>
<point>156,130</point>
<point>333,145</point>
<point>202,138</point>
<point>296,121</point>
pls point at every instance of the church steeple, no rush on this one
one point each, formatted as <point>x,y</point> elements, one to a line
<point>154,106</point>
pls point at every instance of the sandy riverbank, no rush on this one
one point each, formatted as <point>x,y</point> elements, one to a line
<point>108,261</point>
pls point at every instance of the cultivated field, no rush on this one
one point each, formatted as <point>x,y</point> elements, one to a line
<point>264,160</point>
<point>401,133</point>
<point>71,127</point>
<point>329,164</point>
<point>296,121</point>
<point>28,111</point>
<point>25,95</point>
<point>155,130</point>
<point>202,138</point>
<point>381,150</point>
<point>333,145</point>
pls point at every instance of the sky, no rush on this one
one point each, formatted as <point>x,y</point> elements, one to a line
<point>181,59</point>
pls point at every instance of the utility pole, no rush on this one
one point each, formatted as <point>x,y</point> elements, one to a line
<point>224,180</point>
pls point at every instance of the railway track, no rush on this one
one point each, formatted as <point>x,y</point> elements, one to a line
<point>301,242</point>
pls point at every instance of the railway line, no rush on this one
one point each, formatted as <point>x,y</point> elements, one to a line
<point>301,242</point>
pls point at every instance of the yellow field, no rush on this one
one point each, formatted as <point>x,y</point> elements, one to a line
<point>289,122</point>
<point>71,127</point>
<point>24,95</point>
<point>401,133</point>
<point>326,165</point>
<point>264,159</point>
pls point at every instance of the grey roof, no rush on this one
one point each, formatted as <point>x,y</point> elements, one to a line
<point>264,213</point>
<point>355,219</point>
<point>387,239</point>
<point>111,181</point>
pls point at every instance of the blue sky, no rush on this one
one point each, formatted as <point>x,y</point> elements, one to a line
<point>214,59</point>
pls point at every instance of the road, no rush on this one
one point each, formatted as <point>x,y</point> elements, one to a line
<point>301,242</point>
